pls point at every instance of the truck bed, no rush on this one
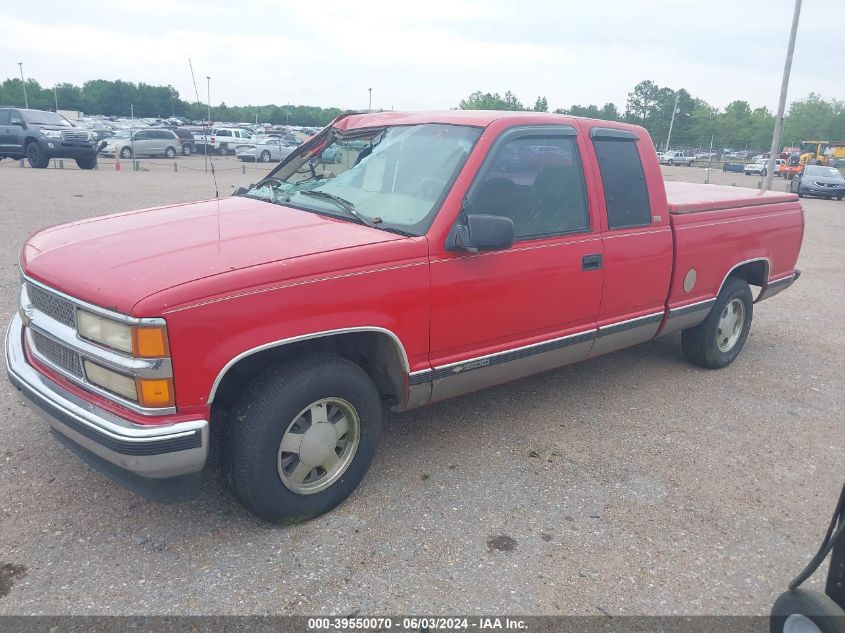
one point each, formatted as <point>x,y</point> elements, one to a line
<point>684,197</point>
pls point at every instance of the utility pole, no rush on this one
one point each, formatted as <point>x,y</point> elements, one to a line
<point>208,79</point>
<point>23,82</point>
<point>56,97</point>
<point>370,106</point>
<point>672,121</point>
<point>787,67</point>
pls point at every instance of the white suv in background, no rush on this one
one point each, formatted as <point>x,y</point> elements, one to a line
<point>225,139</point>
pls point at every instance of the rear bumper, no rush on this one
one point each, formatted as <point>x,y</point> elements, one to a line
<point>779,285</point>
<point>160,462</point>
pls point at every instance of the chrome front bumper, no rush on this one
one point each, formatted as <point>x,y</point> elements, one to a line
<point>146,458</point>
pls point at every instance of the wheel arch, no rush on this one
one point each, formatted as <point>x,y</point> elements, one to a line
<point>754,271</point>
<point>377,350</point>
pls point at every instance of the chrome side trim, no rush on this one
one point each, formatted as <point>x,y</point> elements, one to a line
<point>466,376</point>
<point>150,451</point>
<point>626,333</point>
<point>687,316</point>
<point>306,337</point>
<point>117,316</point>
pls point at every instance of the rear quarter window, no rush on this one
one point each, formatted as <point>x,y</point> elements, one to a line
<point>625,189</point>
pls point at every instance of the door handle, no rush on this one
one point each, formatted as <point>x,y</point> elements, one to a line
<point>591,262</point>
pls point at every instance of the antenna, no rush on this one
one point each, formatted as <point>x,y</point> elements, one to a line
<point>205,130</point>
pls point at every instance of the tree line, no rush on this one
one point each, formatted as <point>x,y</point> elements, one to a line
<point>648,104</point>
<point>736,126</point>
<point>123,98</point>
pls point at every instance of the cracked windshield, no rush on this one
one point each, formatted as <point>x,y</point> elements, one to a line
<point>391,178</point>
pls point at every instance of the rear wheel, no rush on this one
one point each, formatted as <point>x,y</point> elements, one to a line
<point>35,156</point>
<point>224,149</point>
<point>170,152</point>
<point>87,163</point>
<point>301,437</point>
<point>717,341</point>
<point>802,611</point>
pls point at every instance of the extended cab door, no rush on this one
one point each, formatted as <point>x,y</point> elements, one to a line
<point>500,315</point>
<point>636,236</point>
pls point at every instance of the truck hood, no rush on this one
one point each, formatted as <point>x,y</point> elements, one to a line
<point>115,261</point>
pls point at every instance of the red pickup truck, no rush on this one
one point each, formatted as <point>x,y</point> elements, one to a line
<point>454,251</point>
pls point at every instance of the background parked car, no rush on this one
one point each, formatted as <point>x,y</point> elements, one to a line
<point>186,138</point>
<point>757,168</point>
<point>149,142</point>
<point>331,154</point>
<point>263,150</point>
<point>675,157</point>
<point>38,136</point>
<point>820,181</point>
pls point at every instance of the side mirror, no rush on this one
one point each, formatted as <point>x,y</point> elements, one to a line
<point>483,233</point>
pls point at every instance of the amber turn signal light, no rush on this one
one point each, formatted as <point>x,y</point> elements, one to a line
<point>149,342</point>
<point>155,393</point>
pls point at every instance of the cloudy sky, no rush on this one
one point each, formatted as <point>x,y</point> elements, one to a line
<point>430,54</point>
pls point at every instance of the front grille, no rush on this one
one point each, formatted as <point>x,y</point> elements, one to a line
<point>57,354</point>
<point>52,305</point>
<point>74,136</point>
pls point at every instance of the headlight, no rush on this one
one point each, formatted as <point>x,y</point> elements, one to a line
<point>141,341</point>
<point>51,134</point>
<point>112,381</point>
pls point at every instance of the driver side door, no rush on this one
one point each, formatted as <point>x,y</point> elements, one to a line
<point>500,315</point>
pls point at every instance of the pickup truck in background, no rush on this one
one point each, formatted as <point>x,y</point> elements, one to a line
<point>39,135</point>
<point>286,317</point>
<point>674,157</point>
<point>222,140</point>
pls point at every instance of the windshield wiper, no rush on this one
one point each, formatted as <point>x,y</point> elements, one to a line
<point>340,202</point>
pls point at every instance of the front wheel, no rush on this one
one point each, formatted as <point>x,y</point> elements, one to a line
<point>224,149</point>
<point>126,152</point>
<point>803,611</point>
<point>87,163</point>
<point>35,156</point>
<point>301,437</point>
<point>716,342</point>
<point>265,156</point>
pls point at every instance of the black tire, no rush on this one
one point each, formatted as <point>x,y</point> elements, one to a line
<point>265,156</point>
<point>262,415</point>
<point>700,343</point>
<point>170,152</point>
<point>35,157</point>
<point>671,163</point>
<point>763,173</point>
<point>224,149</point>
<point>87,163</point>
<point>126,152</point>
<point>817,607</point>
<point>187,150</point>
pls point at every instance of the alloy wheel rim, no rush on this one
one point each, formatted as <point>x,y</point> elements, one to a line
<point>318,446</point>
<point>799,623</point>
<point>730,325</point>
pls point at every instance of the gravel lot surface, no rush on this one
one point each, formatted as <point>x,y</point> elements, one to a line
<point>630,484</point>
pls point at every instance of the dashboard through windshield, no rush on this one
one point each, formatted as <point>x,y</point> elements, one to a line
<point>392,178</point>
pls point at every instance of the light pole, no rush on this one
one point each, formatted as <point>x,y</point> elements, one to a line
<point>370,106</point>
<point>56,97</point>
<point>23,82</point>
<point>672,121</point>
<point>208,79</point>
<point>787,67</point>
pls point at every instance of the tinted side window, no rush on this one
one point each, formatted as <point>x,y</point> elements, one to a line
<point>625,191</point>
<point>537,182</point>
<point>224,133</point>
<point>4,117</point>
